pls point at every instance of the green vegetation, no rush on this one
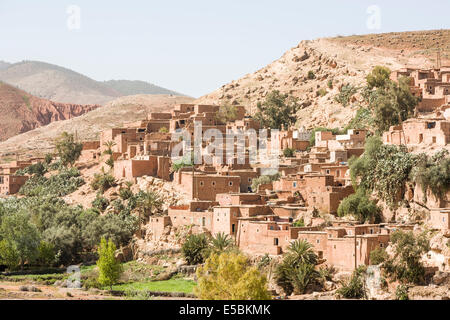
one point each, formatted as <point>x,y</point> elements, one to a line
<point>264,180</point>
<point>296,272</point>
<point>171,285</point>
<point>186,161</point>
<point>362,120</point>
<point>103,181</point>
<point>433,173</point>
<point>229,276</point>
<point>61,184</point>
<point>390,103</point>
<point>361,207</point>
<point>67,149</point>
<point>383,169</point>
<point>344,96</point>
<point>378,256</point>
<point>109,268</point>
<point>401,292</point>
<point>194,248</point>
<point>311,75</point>
<point>277,110</point>
<point>355,288</point>
<point>163,130</point>
<point>330,84</point>
<point>226,113</point>
<point>26,99</point>
<point>321,92</point>
<point>289,153</point>
<point>406,265</point>
<point>299,223</point>
<point>109,145</point>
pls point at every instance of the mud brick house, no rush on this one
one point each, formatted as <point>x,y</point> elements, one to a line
<point>204,186</point>
<point>431,86</point>
<point>11,184</point>
<point>294,139</point>
<point>440,219</point>
<point>353,139</point>
<point>416,131</point>
<point>196,213</point>
<point>318,190</point>
<point>90,151</point>
<point>156,166</point>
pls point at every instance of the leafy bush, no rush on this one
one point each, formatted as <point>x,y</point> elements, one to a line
<point>401,292</point>
<point>103,181</point>
<point>264,180</point>
<point>406,265</point>
<point>289,153</point>
<point>109,267</point>
<point>100,203</point>
<point>360,206</point>
<point>311,75</point>
<point>433,173</point>
<point>61,184</point>
<point>355,288</point>
<point>344,96</point>
<point>229,276</point>
<point>321,92</point>
<point>378,256</point>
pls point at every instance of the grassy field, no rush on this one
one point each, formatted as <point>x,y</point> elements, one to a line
<point>172,285</point>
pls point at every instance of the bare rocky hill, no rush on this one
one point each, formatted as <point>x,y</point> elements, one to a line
<point>56,83</point>
<point>306,70</point>
<point>21,112</point>
<point>88,126</point>
<point>130,88</point>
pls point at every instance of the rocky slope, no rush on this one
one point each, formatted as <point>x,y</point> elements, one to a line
<point>21,112</point>
<point>343,60</point>
<point>129,88</point>
<point>88,126</point>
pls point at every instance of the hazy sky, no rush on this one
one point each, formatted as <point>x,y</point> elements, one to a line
<point>191,46</point>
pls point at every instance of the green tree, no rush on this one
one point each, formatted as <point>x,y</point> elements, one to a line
<point>289,153</point>
<point>406,265</point>
<point>360,206</point>
<point>378,256</point>
<point>226,113</point>
<point>67,149</point>
<point>221,242</point>
<point>344,96</point>
<point>378,77</point>
<point>195,248</point>
<point>229,276</point>
<point>109,267</point>
<point>20,240</point>
<point>277,110</point>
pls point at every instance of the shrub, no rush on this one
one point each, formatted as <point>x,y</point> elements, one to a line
<point>401,292</point>
<point>194,248</point>
<point>264,180</point>
<point>345,95</point>
<point>321,92</point>
<point>406,265</point>
<point>311,75</point>
<point>163,130</point>
<point>125,193</point>
<point>360,206</point>
<point>229,276</point>
<point>378,256</point>
<point>355,287</point>
<point>330,83</point>
<point>103,181</point>
<point>100,203</point>
<point>289,153</point>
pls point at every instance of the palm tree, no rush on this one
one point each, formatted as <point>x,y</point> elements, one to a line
<point>221,241</point>
<point>149,201</point>
<point>109,145</point>
<point>301,252</point>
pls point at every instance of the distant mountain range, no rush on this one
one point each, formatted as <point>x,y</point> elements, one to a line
<point>60,84</point>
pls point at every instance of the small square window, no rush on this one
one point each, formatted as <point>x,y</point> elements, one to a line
<point>230,183</point>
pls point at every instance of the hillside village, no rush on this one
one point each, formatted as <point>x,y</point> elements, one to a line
<point>264,213</point>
